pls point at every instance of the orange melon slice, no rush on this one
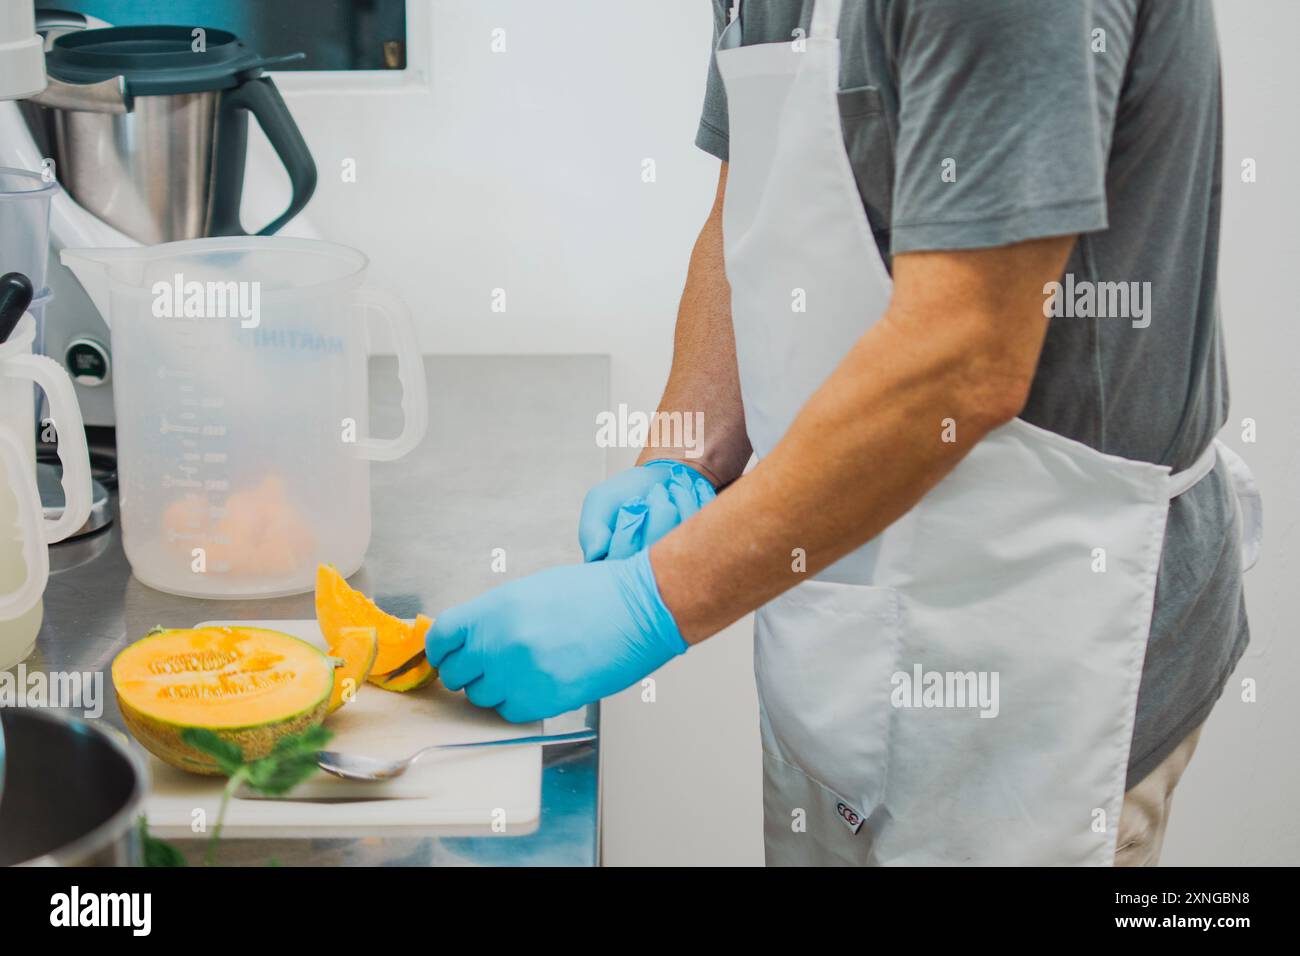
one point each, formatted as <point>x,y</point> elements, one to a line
<point>339,607</point>
<point>417,676</point>
<point>413,679</point>
<point>358,647</point>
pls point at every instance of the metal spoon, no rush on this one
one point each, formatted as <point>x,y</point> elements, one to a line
<point>352,767</point>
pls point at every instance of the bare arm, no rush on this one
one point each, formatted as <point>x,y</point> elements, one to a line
<point>960,340</point>
<point>703,376</point>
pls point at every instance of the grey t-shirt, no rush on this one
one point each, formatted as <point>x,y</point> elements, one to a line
<point>972,125</point>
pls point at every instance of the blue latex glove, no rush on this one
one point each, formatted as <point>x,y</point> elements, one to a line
<point>553,641</point>
<point>637,507</point>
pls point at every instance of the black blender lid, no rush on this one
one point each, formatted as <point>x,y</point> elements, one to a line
<point>156,60</point>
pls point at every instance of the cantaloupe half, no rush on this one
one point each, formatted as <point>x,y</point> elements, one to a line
<point>357,648</point>
<point>339,606</point>
<point>248,685</point>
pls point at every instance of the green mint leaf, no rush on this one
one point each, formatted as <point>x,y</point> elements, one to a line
<point>228,755</point>
<point>291,762</point>
<point>309,742</point>
<point>158,852</point>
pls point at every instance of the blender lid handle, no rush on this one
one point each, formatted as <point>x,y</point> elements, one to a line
<point>266,62</point>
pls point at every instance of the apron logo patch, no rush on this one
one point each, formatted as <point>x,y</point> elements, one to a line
<point>852,819</point>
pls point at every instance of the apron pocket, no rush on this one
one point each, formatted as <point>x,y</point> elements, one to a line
<point>825,655</point>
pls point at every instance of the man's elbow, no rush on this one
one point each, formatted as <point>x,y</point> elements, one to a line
<point>997,393</point>
<point>994,367</point>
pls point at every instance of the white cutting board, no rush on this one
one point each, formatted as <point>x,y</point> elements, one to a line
<point>459,793</point>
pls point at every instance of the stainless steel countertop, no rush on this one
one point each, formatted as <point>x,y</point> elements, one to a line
<point>509,454</point>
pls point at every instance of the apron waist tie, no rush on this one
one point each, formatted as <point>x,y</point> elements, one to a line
<point>1245,490</point>
<point>1181,481</point>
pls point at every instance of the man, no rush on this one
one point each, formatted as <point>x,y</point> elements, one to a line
<point>957,293</point>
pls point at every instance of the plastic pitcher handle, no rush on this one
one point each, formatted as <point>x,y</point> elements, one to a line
<point>22,479</point>
<point>73,455</point>
<point>410,372</point>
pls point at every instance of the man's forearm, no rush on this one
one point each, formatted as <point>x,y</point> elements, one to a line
<point>704,383</point>
<point>870,443</point>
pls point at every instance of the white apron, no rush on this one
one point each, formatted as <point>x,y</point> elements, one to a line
<point>1021,586</point>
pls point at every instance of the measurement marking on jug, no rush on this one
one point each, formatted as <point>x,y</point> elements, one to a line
<point>183,536</point>
<point>167,427</point>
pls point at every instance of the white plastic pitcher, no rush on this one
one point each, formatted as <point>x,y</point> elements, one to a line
<point>24,530</point>
<point>241,403</point>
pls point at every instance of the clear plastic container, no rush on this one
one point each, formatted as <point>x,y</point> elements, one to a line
<point>25,223</point>
<point>241,401</point>
<point>24,562</point>
<point>24,529</point>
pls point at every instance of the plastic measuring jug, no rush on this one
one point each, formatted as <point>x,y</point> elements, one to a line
<point>25,222</point>
<point>24,561</point>
<point>241,401</point>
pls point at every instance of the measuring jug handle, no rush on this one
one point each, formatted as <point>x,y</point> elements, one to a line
<point>410,373</point>
<point>22,479</point>
<point>66,415</point>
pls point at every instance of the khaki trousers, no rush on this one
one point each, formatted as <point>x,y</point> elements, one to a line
<point>1146,808</point>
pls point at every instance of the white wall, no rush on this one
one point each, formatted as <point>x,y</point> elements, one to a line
<point>1237,803</point>
<point>522,171</point>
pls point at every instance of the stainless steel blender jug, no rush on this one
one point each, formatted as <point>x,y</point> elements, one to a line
<point>149,128</point>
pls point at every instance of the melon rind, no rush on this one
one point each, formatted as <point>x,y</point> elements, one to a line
<point>360,675</point>
<point>162,738</point>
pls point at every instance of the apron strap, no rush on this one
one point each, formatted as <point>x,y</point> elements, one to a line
<point>1245,490</point>
<point>825,19</point>
<point>1181,481</point>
